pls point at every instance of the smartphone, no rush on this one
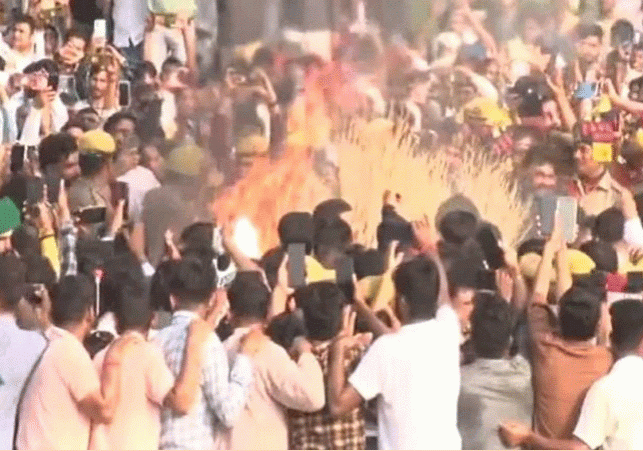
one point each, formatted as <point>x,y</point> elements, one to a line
<point>493,253</point>
<point>486,280</point>
<point>53,80</point>
<point>17,158</point>
<point>67,83</point>
<point>124,94</point>
<point>344,277</point>
<point>635,282</point>
<point>100,29</point>
<point>53,188</point>
<point>35,191</point>
<point>547,205</point>
<point>567,209</point>
<point>120,191</point>
<point>92,215</point>
<point>296,265</point>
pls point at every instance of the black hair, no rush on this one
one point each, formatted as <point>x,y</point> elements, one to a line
<point>96,68</point>
<point>133,309</point>
<point>24,240</point>
<point>248,296</point>
<point>627,325</point>
<point>621,32</point>
<point>322,304</point>
<point>192,281</point>
<point>369,262</point>
<point>491,325</point>
<point>76,33</point>
<point>603,255</point>
<point>114,119</point>
<point>75,122</point>
<point>91,163</point>
<point>56,148</point>
<point>462,274</point>
<point>584,30</point>
<point>39,270</point>
<point>534,245</point>
<point>337,235</point>
<point>12,280</point>
<point>609,226</point>
<point>284,328</point>
<point>198,235</point>
<point>25,18</point>
<point>72,298</point>
<point>118,271</point>
<point>458,226</point>
<point>419,283</point>
<point>159,289</point>
<point>270,263</point>
<point>296,227</point>
<point>579,313</point>
<point>143,68</point>
<point>170,65</point>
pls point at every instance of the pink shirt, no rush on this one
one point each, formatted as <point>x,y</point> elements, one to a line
<point>145,382</point>
<point>50,417</point>
<point>279,384</point>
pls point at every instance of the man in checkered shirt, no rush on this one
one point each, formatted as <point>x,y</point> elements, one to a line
<point>322,303</point>
<point>223,391</point>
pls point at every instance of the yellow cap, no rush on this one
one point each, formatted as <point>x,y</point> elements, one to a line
<point>579,264</point>
<point>186,160</point>
<point>97,141</point>
<point>252,145</point>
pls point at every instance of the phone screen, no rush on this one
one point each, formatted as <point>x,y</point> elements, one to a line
<point>344,277</point>
<point>100,29</point>
<point>124,94</point>
<point>35,191</point>
<point>547,212</point>
<point>296,265</point>
<point>120,191</point>
<point>567,208</point>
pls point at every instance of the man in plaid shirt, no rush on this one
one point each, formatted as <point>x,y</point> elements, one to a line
<point>223,392</point>
<point>322,303</point>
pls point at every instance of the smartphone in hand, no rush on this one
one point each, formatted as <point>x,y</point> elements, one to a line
<point>296,265</point>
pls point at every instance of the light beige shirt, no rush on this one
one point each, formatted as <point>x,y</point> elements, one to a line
<point>600,198</point>
<point>279,384</point>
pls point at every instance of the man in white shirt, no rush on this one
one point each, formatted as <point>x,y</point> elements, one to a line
<point>414,372</point>
<point>612,412</point>
<point>19,349</point>
<point>20,52</point>
<point>130,17</point>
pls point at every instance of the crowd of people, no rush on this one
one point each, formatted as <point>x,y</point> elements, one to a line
<point>135,313</point>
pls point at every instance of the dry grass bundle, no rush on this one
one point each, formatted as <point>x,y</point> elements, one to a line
<point>376,157</point>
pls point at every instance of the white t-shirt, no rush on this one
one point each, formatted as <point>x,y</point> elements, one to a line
<point>416,374</point>
<point>140,181</point>
<point>129,22</point>
<point>612,413</point>
<point>19,350</point>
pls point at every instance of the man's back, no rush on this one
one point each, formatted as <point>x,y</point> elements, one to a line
<point>612,414</point>
<point>50,416</point>
<point>145,382</point>
<point>492,390</point>
<point>19,350</point>
<point>222,392</point>
<point>279,383</point>
<point>416,373</point>
<point>562,374</point>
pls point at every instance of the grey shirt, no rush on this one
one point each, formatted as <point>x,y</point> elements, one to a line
<point>493,391</point>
